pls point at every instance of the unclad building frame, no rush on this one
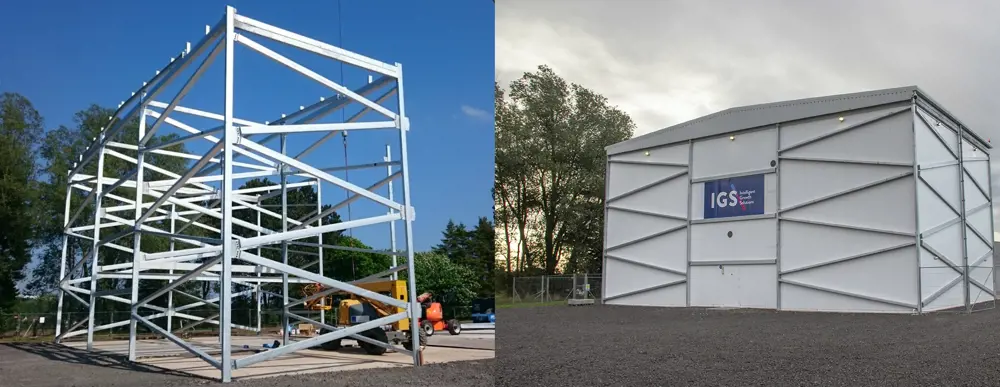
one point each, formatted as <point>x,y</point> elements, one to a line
<point>868,202</point>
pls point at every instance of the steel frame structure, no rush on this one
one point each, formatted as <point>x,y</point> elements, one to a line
<point>214,259</point>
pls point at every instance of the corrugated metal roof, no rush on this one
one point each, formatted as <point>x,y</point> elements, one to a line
<point>755,116</point>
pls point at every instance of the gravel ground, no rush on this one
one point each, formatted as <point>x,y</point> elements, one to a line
<point>635,346</point>
<point>49,365</point>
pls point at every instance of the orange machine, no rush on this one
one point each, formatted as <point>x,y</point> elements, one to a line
<point>433,319</point>
<point>355,308</point>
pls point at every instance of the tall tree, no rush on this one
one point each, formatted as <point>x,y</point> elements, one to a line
<point>515,197</point>
<point>473,249</point>
<point>551,136</point>
<point>454,242</point>
<point>482,246</point>
<point>20,131</point>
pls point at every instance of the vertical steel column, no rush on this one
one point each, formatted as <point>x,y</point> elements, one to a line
<point>284,244</point>
<point>414,308</point>
<point>170,294</point>
<point>95,247</point>
<point>62,259</point>
<point>989,182</point>
<point>319,210</point>
<point>961,209</point>
<point>392,224</point>
<point>604,247</point>
<point>777,214</point>
<point>228,249</point>
<point>916,202</point>
<point>136,234</point>
<point>690,216</point>
<point>260,296</point>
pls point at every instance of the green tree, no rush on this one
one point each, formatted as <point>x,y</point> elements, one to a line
<point>482,246</point>
<point>20,131</point>
<point>550,164</point>
<point>58,152</point>
<point>451,283</point>
<point>454,242</point>
<point>473,249</point>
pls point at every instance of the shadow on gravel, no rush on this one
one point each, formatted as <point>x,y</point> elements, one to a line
<point>62,353</point>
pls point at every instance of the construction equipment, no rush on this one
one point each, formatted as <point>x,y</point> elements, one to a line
<point>581,295</point>
<point>482,310</point>
<point>353,309</point>
<point>433,317</point>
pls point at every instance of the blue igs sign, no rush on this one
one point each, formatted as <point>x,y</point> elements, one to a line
<point>738,196</point>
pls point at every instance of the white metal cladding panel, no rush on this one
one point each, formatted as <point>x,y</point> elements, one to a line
<point>751,240</point>
<point>974,198</point>
<point>886,206</point>
<point>770,197</point>
<point>646,231</point>
<point>847,218</point>
<point>629,227</point>
<point>796,132</point>
<point>667,198</point>
<point>887,275</point>
<point>888,139</point>
<point>805,245</point>
<point>971,152</point>
<point>938,196</point>
<point>799,298</point>
<point>979,220</point>
<point>750,151</point>
<point>629,177</point>
<point>803,181</point>
<point>672,154</point>
<point>749,286</point>
<point>949,136</point>
<point>630,281</point>
<point>940,208</point>
<point>979,169</point>
<point>664,296</point>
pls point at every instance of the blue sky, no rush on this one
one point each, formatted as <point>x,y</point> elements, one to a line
<point>66,55</point>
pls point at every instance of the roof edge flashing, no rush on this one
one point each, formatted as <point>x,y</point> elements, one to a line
<point>937,108</point>
<point>674,134</point>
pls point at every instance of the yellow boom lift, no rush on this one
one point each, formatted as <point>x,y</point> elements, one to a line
<point>353,309</point>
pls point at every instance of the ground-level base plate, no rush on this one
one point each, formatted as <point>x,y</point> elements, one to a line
<point>582,301</point>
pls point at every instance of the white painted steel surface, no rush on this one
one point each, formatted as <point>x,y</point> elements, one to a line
<point>863,211</point>
<point>209,187</point>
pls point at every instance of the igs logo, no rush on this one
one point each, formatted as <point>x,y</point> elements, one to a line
<point>738,196</point>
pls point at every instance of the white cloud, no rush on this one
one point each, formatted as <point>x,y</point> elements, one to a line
<point>475,113</point>
<point>665,62</point>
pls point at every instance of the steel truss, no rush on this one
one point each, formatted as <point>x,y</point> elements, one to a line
<point>227,258</point>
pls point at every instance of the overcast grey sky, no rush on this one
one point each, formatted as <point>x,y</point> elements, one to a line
<point>667,61</point>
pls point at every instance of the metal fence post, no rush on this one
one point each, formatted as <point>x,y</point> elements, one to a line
<point>572,291</point>
<point>513,289</point>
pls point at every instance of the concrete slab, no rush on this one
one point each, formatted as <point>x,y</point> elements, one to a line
<point>167,355</point>
<point>313,361</point>
<point>485,340</point>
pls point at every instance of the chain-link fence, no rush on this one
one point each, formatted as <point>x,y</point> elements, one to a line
<point>39,325</point>
<point>552,288</point>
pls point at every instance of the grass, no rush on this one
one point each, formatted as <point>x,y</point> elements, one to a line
<point>102,336</point>
<point>506,303</point>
